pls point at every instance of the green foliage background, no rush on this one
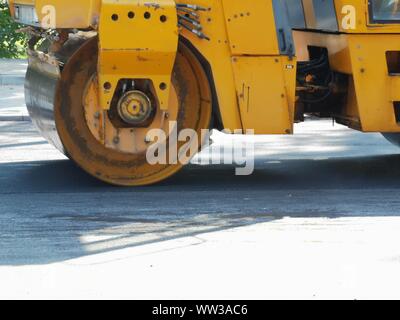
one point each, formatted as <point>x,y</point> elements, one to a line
<point>12,44</point>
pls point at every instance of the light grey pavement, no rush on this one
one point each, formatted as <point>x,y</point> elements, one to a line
<point>12,102</point>
<point>12,71</point>
<point>319,218</point>
<point>13,67</point>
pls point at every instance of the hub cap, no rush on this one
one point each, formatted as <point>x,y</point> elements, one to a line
<point>135,108</point>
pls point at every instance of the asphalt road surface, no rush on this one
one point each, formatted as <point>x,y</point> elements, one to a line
<point>319,218</point>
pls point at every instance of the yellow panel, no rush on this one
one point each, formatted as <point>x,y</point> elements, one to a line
<point>251,27</point>
<point>69,14</point>
<point>137,41</point>
<point>352,13</point>
<point>394,88</point>
<point>266,93</point>
<point>339,54</point>
<point>375,88</point>
<point>351,111</point>
<point>362,22</point>
<point>217,52</point>
<point>363,57</point>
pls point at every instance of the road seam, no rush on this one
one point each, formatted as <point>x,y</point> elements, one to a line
<point>15,118</point>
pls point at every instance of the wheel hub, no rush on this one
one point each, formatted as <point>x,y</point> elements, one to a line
<point>135,108</point>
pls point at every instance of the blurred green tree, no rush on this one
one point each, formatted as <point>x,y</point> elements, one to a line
<point>12,43</point>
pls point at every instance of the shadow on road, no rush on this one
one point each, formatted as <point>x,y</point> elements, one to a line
<point>340,173</point>
<point>52,211</point>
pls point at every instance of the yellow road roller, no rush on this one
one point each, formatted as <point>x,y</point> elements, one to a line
<point>104,73</point>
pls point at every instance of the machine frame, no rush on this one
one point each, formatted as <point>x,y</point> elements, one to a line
<point>261,65</point>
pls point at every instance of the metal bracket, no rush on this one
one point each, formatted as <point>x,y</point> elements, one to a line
<point>137,40</point>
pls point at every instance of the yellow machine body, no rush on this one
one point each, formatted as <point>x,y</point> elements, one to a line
<point>254,83</point>
<point>251,59</point>
<point>141,56</point>
<point>69,14</point>
<point>359,49</point>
